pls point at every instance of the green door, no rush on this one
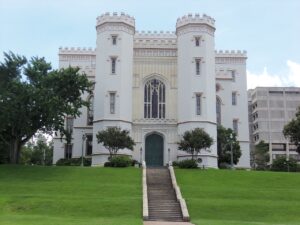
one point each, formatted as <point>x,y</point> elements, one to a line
<point>154,154</point>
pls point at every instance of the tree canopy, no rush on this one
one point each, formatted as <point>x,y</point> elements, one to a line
<point>292,130</point>
<point>261,155</point>
<point>35,97</point>
<point>114,139</point>
<point>194,141</point>
<point>226,140</point>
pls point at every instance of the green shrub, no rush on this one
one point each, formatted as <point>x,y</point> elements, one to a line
<point>108,164</point>
<point>224,165</point>
<point>281,164</point>
<point>120,161</point>
<point>175,163</point>
<point>188,164</point>
<point>74,162</point>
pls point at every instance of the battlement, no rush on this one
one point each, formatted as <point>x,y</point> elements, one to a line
<point>154,34</point>
<point>72,50</point>
<point>115,18</point>
<point>231,53</point>
<point>195,19</point>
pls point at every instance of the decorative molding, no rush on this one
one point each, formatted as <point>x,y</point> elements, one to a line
<point>116,27</point>
<point>144,52</point>
<point>202,28</point>
<point>112,120</point>
<point>195,19</point>
<point>195,121</point>
<point>115,18</point>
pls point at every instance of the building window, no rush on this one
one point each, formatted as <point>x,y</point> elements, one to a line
<point>114,39</point>
<point>89,144</point>
<point>218,110</point>
<point>90,111</point>
<point>197,41</point>
<point>113,65</point>
<point>234,98</point>
<point>69,124</point>
<point>112,102</point>
<point>198,104</point>
<point>235,126</point>
<point>198,68</point>
<point>154,99</point>
<point>233,75</point>
<point>68,151</point>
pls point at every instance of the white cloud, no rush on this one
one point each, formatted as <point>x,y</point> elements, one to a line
<point>266,79</point>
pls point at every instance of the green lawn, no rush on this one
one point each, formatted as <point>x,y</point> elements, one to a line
<point>31,195</point>
<point>220,197</point>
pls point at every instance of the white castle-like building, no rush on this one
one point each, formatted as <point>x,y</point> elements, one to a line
<point>157,85</point>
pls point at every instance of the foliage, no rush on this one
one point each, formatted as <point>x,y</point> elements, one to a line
<point>37,152</point>
<point>240,197</point>
<point>68,195</point>
<point>74,162</point>
<point>119,161</point>
<point>261,156</point>
<point>113,139</point>
<point>194,141</point>
<point>226,140</point>
<point>34,97</point>
<point>284,165</point>
<point>187,164</point>
<point>292,130</point>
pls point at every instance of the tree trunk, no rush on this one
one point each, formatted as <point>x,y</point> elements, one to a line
<point>15,148</point>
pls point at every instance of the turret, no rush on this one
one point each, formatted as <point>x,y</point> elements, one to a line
<point>113,88</point>
<point>196,78</point>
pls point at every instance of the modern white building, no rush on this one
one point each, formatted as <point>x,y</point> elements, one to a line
<point>158,85</point>
<point>270,108</point>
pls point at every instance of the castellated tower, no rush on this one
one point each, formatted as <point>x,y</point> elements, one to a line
<point>113,88</point>
<point>196,79</point>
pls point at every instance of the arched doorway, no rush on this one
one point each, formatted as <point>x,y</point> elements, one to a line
<point>154,154</point>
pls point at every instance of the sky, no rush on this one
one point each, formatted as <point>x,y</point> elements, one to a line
<point>269,30</point>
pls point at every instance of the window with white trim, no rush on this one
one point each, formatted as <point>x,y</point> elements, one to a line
<point>114,39</point>
<point>155,99</point>
<point>235,126</point>
<point>234,98</point>
<point>113,64</point>
<point>198,104</point>
<point>198,66</point>
<point>197,41</point>
<point>112,102</point>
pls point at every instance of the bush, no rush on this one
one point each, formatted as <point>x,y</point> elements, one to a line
<point>108,164</point>
<point>174,163</point>
<point>187,164</point>
<point>120,161</point>
<point>224,165</point>
<point>74,162</point>
<point>281,164</point>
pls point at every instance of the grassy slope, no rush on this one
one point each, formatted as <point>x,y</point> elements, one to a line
<point>218,197</point>
<point>70,195</point>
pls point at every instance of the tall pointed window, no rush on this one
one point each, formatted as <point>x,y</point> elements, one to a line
<point>154,99</point>
<point>112,102</point>
<point>113,65</point>
<point>198,104</point>
<point>218,110</point>
<point>198,66</point>
<point>90,111</point>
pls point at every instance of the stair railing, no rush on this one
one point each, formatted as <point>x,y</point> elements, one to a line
<point>145,193</point>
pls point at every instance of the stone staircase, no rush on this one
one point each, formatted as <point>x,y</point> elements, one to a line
<point>162,202</point>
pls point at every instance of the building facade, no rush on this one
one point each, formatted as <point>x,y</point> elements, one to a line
<point>157,85</point>
<point>270,108</point>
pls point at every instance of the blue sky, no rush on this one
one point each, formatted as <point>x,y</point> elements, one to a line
<point>269,30</point>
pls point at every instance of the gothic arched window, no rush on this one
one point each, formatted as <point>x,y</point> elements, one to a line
<point>218,110</point>
<point>90,111</point>
<point>154,99</point>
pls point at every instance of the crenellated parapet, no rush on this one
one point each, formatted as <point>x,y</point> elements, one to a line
<point>195,19</point>
<point>77,51</point>
<point>115,21</point>
<point>155,34</point>
<point>195,23</point>
<point>231,53</point>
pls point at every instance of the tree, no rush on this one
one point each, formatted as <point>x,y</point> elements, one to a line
<point>292,130</point>
<point>33,97</point>
<point>226,140</point>
<point>37,152</point>
<point>194,141</point>
<point>261,155</point>
<point>113,139</point>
